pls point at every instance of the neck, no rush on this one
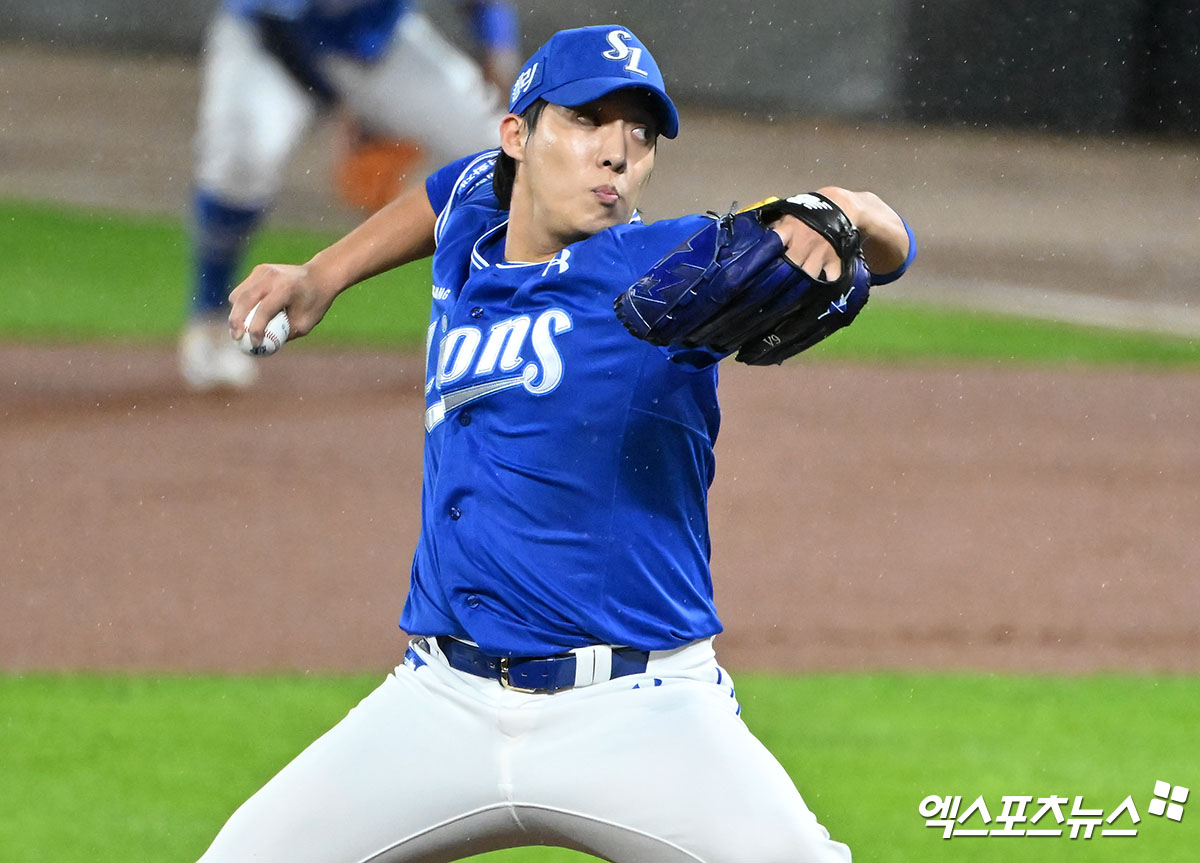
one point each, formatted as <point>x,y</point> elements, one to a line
<point>528,237</point>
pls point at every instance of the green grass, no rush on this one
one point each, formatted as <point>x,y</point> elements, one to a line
<point>73,275</point>
<point>897,333</point>
<point>103,768</point>
<point>114,768</point>
<point>77,275</point>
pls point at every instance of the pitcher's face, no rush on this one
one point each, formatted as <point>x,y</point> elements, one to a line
<point>584,169</point>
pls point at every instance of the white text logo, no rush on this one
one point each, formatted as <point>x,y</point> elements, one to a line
<point>470,365</point>
<point>523,82</point>
<point>621,50</point>
<point>1026,815</point>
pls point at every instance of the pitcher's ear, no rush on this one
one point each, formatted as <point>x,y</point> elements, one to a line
<point>512,137</point>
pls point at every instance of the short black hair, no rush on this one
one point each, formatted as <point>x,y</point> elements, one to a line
<point>506,169</point>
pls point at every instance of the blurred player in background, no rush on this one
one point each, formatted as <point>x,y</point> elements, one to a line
<point>271,67</point>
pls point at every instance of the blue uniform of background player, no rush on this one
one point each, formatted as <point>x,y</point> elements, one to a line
<point>561,686</point>
<point>270,68</point>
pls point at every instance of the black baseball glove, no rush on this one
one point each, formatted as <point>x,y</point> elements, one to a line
<point>729,287</point>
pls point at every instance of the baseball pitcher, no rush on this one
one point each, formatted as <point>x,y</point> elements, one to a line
<point>560,686</point>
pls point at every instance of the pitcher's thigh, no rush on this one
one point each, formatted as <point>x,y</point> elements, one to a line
<point>674,765</point>
<point>400,763</point>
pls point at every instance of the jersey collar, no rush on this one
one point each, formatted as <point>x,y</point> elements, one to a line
<point>479,258</point>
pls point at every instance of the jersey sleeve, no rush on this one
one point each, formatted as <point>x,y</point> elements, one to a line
<point>493,24</point>
<point>642,246</point>
<point>290,10</point>
<point>645,245</point>
<point>887,278</point>
<point>440,184</point>
<point>467,181</point>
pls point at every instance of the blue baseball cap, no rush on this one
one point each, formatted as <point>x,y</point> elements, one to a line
<point>578,66</point>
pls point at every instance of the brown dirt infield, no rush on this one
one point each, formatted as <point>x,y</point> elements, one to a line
<point>863,517</point>
<point>981,517</point>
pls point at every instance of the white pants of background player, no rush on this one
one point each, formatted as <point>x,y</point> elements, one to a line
<point>253,113</point>
<point>436,765</point>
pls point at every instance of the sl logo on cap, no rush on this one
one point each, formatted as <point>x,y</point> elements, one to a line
<point>622,50</point>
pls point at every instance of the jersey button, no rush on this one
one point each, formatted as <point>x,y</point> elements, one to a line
<point>455,513</point>
<point>473,601</point>
<point>477,312</point>
<point>464,419</point>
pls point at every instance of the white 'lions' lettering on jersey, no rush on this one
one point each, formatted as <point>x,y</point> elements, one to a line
<point>465,354</point>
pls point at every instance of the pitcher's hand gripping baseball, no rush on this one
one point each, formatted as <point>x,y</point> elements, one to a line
<point>276,333</point>
<point>731,287</point>
<point>283,300</point>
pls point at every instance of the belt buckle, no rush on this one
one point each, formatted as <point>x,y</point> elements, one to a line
<point>506,679</point>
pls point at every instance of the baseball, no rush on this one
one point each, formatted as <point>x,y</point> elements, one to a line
<point>277,332</point>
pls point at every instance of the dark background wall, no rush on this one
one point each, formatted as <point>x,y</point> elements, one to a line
<point>1102,66</point>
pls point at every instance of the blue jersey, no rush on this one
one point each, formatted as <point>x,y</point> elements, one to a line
<point>363,28</point>
<point>567,463</point>
<point>357,28</point>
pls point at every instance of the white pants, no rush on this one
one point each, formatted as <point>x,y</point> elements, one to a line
<point>436,765</point>
<point>252,112</point>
